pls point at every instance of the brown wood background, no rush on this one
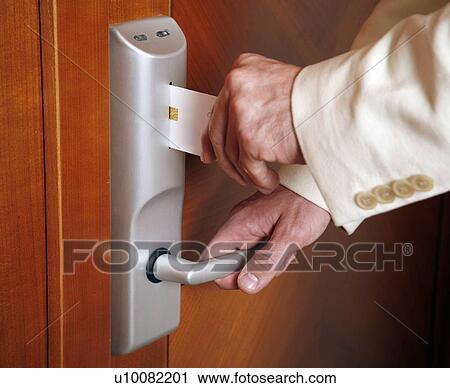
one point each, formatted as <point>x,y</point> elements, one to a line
<point>302,319</point>
<point>23,338</point>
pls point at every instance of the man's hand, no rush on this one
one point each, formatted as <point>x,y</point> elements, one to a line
<point>285,220</point>
<point>251,122</point>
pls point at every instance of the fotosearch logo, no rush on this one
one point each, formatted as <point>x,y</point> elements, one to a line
<point>357,257</point>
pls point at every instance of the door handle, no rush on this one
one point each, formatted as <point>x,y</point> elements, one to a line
<point>163,266</point>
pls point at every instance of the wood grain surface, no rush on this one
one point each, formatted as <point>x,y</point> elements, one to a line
<point>76,111</point>
<point>305,318</point>
<point>23,317</point>
<point>441,290</point>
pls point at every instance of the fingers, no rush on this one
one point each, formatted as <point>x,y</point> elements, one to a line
<point>232,152</point>
<point>242,231</point>
<point>253,112</point>
<point>229,282</point>
<point>207,156</point>
<point>213,141</point>
<point>234,235</point>
<point>219,119</point>
<point>289,222</point>
<point>266,264</point>
<point>261,175</point>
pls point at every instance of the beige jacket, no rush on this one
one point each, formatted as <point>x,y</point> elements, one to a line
<point>374,123</point>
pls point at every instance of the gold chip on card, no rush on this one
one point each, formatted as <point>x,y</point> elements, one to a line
<point>173,113</point>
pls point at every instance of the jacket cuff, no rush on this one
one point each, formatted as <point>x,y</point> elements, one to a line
<point>298,178</point>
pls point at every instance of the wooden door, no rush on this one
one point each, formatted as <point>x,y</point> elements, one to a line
<point>301,319</point>
<point>23,310</point>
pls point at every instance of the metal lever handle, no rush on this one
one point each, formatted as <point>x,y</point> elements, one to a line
<point>170,268</point>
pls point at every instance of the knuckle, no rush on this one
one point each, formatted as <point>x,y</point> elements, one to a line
<point>234,78</point>
<point>243,58</point>
<point>301,236</point>
<point>237,109</point>
<point>238,103</point>
<point>289,236</point>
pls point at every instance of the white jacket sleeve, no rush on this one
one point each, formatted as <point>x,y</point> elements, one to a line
<point>374,123</point>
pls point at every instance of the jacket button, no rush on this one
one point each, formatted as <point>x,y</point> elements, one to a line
<point>402,188</point>
<point>421,182</point>
<point>365,200</point>
<point>383,194</point>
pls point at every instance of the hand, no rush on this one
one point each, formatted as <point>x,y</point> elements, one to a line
<point>287,221</point>
<point>251,122</point>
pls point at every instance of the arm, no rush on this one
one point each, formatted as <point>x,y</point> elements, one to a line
<point>364,119</point>
<point>379,115</point>
<point>369,117</point>
<point>384,17</point>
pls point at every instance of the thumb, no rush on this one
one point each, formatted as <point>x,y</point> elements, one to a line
<point>267,263</point>
<point>241,232</point>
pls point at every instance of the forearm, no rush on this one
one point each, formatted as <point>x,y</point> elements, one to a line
<point>377,115</point>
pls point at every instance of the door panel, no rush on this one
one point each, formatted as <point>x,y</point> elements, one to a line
<point>23,320</point>
<point>301,319</point>
<point>76,105</point>
<point>441,338</point>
